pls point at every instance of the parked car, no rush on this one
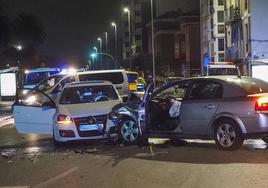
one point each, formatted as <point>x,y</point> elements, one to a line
<point>226,109</point>
<point>81,113</point>
<point>54,84</point>
<point>34,76</point>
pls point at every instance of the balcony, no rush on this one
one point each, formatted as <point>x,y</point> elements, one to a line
<point>232,15</point>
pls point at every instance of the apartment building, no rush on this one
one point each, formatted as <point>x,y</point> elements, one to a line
<point>134,30</point>
<point>246,32</point>
<point>212,31</point>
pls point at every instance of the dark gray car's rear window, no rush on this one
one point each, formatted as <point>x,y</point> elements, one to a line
<point>250,85</point>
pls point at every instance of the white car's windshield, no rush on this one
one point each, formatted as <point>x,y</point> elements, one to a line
<point>88,94</point>
<point>49,83</point>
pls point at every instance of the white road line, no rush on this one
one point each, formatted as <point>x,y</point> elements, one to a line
<point>6,122</point>
<point>14,186</point>
<point>51,180</point>
<point>152,152</point>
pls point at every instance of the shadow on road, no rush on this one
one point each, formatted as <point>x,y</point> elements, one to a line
<point>192,151</point>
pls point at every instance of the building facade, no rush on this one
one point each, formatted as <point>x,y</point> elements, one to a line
<point>134,29</point>
<point>177,46</point>
<point>212,31</point>
<point>246,33</point>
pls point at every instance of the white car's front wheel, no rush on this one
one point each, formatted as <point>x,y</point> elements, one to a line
<point>228,135</point>
<point>129,131</point>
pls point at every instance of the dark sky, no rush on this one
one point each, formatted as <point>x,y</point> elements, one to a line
<point>72,26</point>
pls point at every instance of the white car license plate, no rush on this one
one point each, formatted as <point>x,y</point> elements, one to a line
<point>91,127</point>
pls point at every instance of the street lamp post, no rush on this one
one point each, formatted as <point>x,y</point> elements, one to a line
<point>115,39</point>
<point>19,61</point>
<point>153,47</point>
<point>126,10</point>
<point>100,40</point>
<point>106,46</point>
<point>94,58</point>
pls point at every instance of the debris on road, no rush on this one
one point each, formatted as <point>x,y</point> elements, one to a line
<point>8,154</point>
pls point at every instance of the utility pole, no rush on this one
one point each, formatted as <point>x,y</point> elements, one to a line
<point>153,49</point>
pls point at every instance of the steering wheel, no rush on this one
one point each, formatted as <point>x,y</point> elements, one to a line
<point>101,98</point>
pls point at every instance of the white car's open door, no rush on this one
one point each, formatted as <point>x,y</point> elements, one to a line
<point>33,112</point>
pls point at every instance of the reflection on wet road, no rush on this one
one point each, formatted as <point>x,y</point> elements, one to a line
<point>32,146</point>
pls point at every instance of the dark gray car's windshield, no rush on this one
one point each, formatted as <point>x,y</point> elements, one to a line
<point>88,94</point>
<point>49,83</point>
<point>250,85</point>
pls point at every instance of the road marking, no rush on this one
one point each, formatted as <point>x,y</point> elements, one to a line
<point>51,180</point>
<point>6,122</point>
<point>14,186</point>
<point>152,152</point>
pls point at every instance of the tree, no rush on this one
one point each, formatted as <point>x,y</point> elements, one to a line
<point>5,31</point>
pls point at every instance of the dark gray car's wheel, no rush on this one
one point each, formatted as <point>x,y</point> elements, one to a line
<point>228,135</point>
<point>265,139</point>
<point>129,131</point>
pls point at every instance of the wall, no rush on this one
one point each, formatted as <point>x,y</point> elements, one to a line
<point>259,28</point>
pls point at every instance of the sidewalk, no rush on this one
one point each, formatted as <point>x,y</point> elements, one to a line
<point>6,116</point>
<point>5,106</point>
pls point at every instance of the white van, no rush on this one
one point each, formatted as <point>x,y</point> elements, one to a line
<point>222,68</point>
<point>54,84</point>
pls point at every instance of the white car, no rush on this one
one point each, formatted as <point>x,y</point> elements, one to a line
<point>53,85</point>
<point>81,112</point>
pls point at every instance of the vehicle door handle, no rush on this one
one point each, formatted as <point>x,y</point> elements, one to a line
<point>209,107</point>
<point>118,87</point>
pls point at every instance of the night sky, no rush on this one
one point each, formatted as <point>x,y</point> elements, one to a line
<point>72,26</point>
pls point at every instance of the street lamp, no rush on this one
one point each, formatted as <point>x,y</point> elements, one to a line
<point>19,61</point>
<point>115,38</point>
<point>18,47</point>
<point>153,47</point>
<point>94,57</point>
<point>127,11</point>
<point>100,40</point>
<point>106,46</point>
<point>95,48</point>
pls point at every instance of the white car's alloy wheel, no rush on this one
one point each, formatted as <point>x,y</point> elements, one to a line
<point>129,131</point>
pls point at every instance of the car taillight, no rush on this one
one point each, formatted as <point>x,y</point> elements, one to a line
<point>64,120</point>
<point>261,104</point>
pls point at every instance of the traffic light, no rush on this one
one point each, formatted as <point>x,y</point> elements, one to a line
<point>93,55</point>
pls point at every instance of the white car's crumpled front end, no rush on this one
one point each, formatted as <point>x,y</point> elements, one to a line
<point>88,121</point>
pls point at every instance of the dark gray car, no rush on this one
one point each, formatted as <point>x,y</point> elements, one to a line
<point>226,109</point>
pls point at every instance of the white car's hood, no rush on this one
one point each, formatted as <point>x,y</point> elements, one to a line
<point>87,109</point>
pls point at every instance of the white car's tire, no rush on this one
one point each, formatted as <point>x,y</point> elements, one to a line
<point>129,131</point>
<point>228,135</point>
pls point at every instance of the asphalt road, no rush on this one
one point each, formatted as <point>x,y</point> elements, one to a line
<point>33,161</point>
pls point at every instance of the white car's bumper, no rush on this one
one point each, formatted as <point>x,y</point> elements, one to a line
<point>72,132</point>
